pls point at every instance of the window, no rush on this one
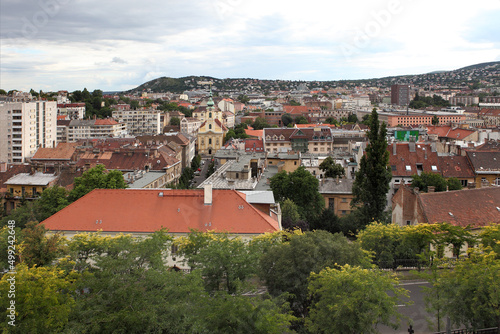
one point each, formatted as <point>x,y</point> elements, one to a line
<point>209,141</point>
<point>434,168</point>
<point>393,168</point>
<point>344,200</point>
<point>331,204</point>
<point>464,183</point>
<point>397,181</point>
<point>408,222</point>
<point>408,168</point>
<point>210,126</point>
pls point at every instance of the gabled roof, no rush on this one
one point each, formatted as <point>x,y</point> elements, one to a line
<point>140,210</point>
<point>63,151</point>
<point>403,162</point>
<point>254,145</point>
<point>449,132</point>
<point>254,133</point>
<point>475,207</point>
<point>107,121</point>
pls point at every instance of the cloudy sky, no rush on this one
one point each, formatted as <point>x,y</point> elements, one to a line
<point>117,45</point>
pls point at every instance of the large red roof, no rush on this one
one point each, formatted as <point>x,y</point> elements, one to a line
<point>141,210</point>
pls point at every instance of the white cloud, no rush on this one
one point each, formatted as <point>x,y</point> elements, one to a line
<point>113,46</point>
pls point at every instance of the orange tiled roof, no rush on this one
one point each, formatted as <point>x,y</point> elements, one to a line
<point>449,132</point>
<point>63,151</point>
<point>107,121</point>
<point>254,133</point>
<point>140,210</point>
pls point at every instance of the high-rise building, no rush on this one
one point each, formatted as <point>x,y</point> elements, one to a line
<point>26,126</point>
<point>400,95</point>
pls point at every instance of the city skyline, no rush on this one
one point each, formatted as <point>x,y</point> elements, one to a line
<point>61,44</point>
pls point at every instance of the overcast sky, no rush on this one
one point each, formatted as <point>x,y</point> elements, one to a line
<point>117,45</point>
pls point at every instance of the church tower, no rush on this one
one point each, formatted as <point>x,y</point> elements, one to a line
<point>212,131</point>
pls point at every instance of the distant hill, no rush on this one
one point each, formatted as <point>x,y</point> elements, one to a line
<point>463,77</point>
<point>175,85</point>
<point>479,66</point>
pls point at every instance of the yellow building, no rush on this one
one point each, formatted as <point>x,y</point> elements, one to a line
<point>26,186</point>
<point>212,130</point>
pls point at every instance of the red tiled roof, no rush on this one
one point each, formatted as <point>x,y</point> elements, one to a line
<point>254,145</point>
<point>296,110</point>
<point>449,132</point>
<point>490,112</point>
<point>423,155</point>
<point>475,207</point>
<point>139,210</point>
<point>254,133</point>
<point>63,151</point>
<point>455,166</point>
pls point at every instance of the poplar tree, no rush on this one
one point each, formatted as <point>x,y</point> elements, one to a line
<point>371,185</point>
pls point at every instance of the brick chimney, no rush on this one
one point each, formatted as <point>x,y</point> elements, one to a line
<point>431,189</point>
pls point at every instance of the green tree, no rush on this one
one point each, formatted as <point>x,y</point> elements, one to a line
<point>302,188</point>
<point>331,169</point>
<point>285,267</point>
<point>224,262</point>
<point>435,120</point>
<point>223,313</point>
<point>243,99</point>
<point>353,300</point>
<point>130,290</point>
<point>52,199</point>
<point>331,120</point>
<point>300,120</point>
<point>96,178</point>
<point>36,248</point>
<point>286,119</point>
<point>290,212</point>
<point>44,299</point>
<point>175,121</point>
<point>426,179</point>
<point>490,237</point>
<point>352,118</point>
<point>371,184</point>
<point>470,293</point>
<point>260,123</point>
<point>454,184</point>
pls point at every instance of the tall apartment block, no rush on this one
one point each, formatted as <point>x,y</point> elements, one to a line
<point>140,122</point>
<point>400,95</point>
<point>26,126</point>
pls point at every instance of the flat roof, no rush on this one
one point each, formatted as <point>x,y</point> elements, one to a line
<point>37,179</point>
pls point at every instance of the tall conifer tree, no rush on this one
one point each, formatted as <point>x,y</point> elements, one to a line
<point>371,185</point>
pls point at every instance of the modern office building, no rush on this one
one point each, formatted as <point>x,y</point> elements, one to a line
<point>400,95</point>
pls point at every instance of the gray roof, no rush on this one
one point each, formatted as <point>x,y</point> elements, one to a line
<point>142,179</point>
<point>37,179</point>
<point>259,196</point>
<point>269,172</point>
<point>330,186</point>
<point>219,181</point>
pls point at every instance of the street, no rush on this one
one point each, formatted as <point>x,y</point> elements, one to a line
<point>415,312</point>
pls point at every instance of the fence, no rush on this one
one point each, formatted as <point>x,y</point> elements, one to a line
<point>494,330</point>
<point>418,264</point>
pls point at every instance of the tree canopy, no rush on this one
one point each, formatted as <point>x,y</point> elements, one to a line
<point>96,178</point>
<point>331,168</point>
<point>352,300</point>
<point>426,179</point>
<point>371,184</point>
<point>302,188</point>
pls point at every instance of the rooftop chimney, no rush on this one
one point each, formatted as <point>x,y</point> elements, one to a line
<point>208,194</point>
<point>431,189</point>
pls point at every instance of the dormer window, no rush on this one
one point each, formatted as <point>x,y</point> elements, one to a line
<point>275,137</point>
<point>282,137</point>
<point>268,137</point>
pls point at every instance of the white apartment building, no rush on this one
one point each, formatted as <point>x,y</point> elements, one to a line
<point>190,126</point>
<point>72,110</point>
<point>26,126</point>
<point>85,129</point>
<point>140,122</point>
